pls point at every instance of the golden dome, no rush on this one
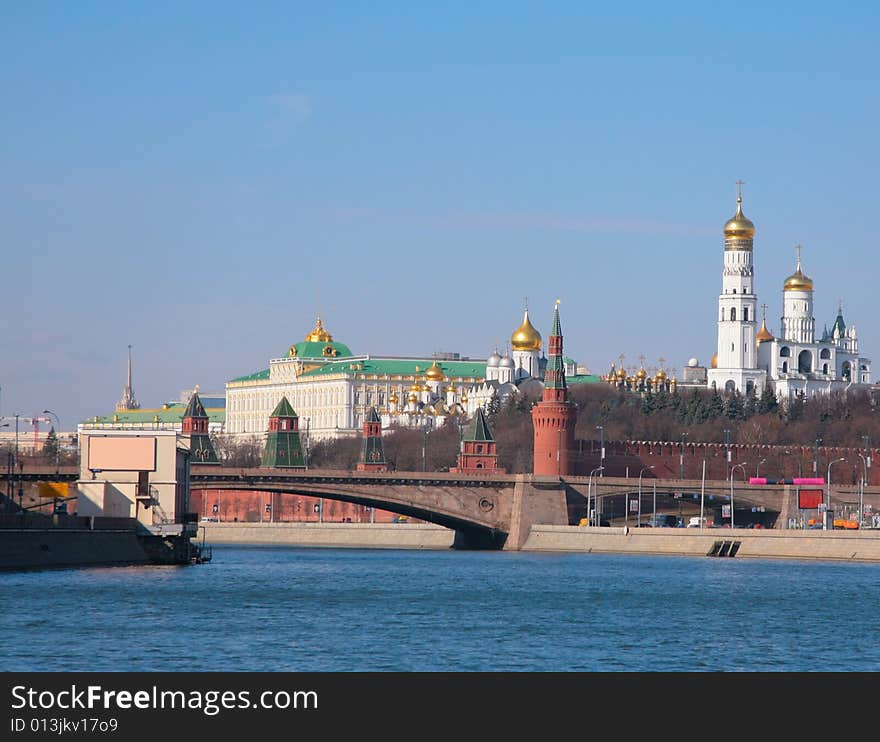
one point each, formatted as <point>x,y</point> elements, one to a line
<point>416,387</point>
<point>413,397</point>
<point>715,361</point>
<point>434,372</point>
<point>621,373</point>
<point>393,398</point>
<point>641,374</point>
<point>797,281</point>
<point>319,334</point>
<point>660,375</point>
<point>739,227</point>
<point>526,337</point>
<point>763,334</point>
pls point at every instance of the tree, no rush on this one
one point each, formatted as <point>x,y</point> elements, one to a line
<point>767,402</point>
<point>50,447</point>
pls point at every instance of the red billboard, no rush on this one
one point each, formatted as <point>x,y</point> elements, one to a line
<point>809,499</point>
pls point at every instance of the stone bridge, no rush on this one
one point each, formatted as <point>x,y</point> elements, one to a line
<point>495,511</point>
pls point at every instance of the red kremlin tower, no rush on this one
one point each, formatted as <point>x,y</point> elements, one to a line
<point>553,418</point>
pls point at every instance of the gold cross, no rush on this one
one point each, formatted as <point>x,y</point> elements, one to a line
<point>739,189</point>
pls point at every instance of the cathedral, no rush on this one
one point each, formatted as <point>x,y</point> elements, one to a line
<point>793,363</point>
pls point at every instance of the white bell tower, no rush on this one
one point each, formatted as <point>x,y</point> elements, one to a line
<point>737,354</point>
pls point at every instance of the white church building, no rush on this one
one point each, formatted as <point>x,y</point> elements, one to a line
<point>796,363</point>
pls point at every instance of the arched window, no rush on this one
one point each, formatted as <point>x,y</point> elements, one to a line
<point>825,353</point>
<point>846,371</point>
<point>750,387</point>
<point>805,362</point>
<point>785,367</point>
<point>722,314</point>
<point>730,386</point>
<point>745,314</point>
<point>733,314</point>
<point>784,352</point>
<point>824,368</point>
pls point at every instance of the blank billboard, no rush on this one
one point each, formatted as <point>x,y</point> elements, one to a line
<point>809,499</point>
<point>122,453</point>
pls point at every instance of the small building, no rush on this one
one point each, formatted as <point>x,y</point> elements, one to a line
<point>372,456</point>
<point>478,449</point>
<point>283,446</point>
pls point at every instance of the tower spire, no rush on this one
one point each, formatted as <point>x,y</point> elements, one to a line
<point>128,402</point>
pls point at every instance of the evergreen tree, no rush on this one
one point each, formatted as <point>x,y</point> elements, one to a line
<point>751,404</point>
<point>50,447</point>
<point>734,407</point>
<point>715,408</point>
<point>647,406</point>
<point>767,402</point>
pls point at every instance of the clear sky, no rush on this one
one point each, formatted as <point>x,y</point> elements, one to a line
<point>198,179</point>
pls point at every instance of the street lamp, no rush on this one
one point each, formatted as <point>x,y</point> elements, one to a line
<point>727,454</point>
<point>644,469</point>
<point>828,494</point>
<point>681,457</point>
<point>758,467</point>
<point>589,492</point>
<point>732,468</point>
<point>862,489</point>
<point>601,429</point>
<point>57,444</point>
<point>308,420</point>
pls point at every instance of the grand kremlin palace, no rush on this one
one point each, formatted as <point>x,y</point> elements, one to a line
<point>332,390</point>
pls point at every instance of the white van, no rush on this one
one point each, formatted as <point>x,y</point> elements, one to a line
<point>695,522</point>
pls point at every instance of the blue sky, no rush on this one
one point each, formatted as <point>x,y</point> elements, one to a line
<point>197,179</point>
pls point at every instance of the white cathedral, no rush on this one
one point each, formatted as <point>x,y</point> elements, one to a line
<point>794,364</point>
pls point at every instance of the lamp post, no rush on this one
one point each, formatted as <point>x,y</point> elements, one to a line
<point>20,492</point>
<point>862,489</point>
<point>758,468</point>
<point>644,469</point>
<point>589,492</point>
<point>732,468</point>
<point>816,458</point>
<point>601,429</point>
<point>57,444</point>
<point>828,494</point>
<point>866,440</point>
<point>681,457</point>
<point>308,420</point>
<point>727,454</point>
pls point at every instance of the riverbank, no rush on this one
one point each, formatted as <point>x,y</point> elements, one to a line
<point>854,546</point>
<point>353,535</point>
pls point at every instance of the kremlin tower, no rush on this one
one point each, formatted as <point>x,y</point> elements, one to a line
<point>553,418</point>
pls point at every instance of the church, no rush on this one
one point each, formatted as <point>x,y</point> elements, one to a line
<point>794,362</point>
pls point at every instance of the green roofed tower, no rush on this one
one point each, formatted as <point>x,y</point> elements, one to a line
<point>372,453</point>
<point>283,447</point>
<point>195,425</point>
<point>478,452</point>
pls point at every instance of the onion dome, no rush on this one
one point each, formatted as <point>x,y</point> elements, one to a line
<point>739,227</point>
<point>416,387</point>
<point>763,334</point>
<point>319,334</point>
<point>393,398</point>
<point>715,361</point>
<point>660,376</point>
<point>493,360</point>
<point>412,397</point>
<point>434,372</point>
<point>526,337</point>
<point>621,374</point>
<point>506,362</point>
<point>641,374</point>
<point>797,281</point>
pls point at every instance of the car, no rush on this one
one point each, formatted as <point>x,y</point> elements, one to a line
<point>661,520</point>
<point>206,519</point>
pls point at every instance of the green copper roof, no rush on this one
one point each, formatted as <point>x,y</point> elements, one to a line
<point>194,408</point>
<point>313,349</point>
<point>400,367</point>
<point>839,325</point>
<point>169,414</point>
<point>258,376</point>
<point>556,329</point>
<point>478,429</point>
<point>583,379</point>
<point>283,409</point>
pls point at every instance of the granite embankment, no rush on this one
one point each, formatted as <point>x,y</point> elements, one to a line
<point>855,546</point>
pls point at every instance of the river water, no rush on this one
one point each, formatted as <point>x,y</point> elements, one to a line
<point>314,609</point>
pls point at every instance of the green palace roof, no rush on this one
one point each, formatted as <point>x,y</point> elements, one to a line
<point>400,367</point>
<point>583,379</point>
<point>257,376</point>
<point>169,414</point>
